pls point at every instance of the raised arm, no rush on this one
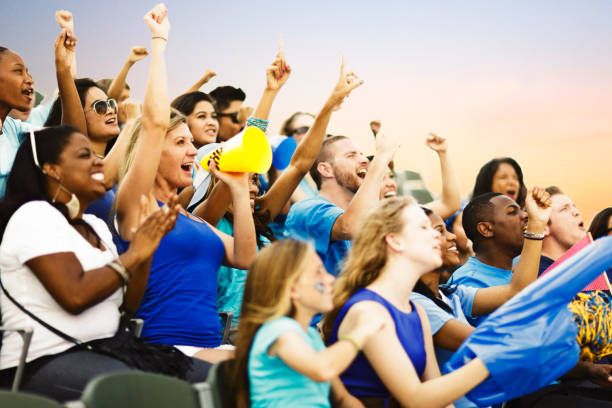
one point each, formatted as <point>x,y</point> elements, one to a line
<point>368,194</point>
<point>72,110</point>
<point>155,118</point>
<point>208,75</point>
<point>450,201</point>
<point>277,75</point>
<point>118,84</point>
<point>538,206</point>
<point>66,22</point>
<point>241,248</point>
<point>309,147</point>
<point>113,159</point>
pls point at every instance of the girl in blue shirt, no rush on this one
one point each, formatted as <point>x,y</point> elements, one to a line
<point>280,360</point>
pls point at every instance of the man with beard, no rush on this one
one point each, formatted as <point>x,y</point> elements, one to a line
<point>348,186</point>
<point>565,228</point>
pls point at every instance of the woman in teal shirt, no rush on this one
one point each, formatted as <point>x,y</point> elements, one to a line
<point>280,360</point>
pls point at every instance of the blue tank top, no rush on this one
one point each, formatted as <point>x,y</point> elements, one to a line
<point>360,379</point>
<point>180,303</point>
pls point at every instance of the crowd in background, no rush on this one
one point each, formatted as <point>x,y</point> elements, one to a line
<point>337,288</point>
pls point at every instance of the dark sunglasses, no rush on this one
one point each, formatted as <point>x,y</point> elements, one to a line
<point>233,116</point>
<point>300,131</point>
<point>101,107</point>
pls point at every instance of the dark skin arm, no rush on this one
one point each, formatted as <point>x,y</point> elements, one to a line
<point>600,374</point>
<point>77,290</point>
<point>214,207</point>
<point>63,277</point>
<point>72,111</point>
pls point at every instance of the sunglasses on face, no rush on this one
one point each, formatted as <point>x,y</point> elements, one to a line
<point>233,116</point>
<point>101,107</point>
<point>300,131</point>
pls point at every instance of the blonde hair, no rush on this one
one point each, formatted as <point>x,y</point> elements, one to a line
<point>266,297</point>
<point>134,131</point>
<point>368,254</point>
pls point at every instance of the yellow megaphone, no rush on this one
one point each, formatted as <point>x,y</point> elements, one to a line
<point>248,151</point>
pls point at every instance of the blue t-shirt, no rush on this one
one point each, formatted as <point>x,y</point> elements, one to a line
<point>312,220</point>
<point>231,281</point>
<point>179,305</point>
<point>479,275</point>
<point>273,383</point>
<point>10,140</point>
<point>101,208</point>
<point>39,114</point>
<point>460,301</point>
<point>545,263</point>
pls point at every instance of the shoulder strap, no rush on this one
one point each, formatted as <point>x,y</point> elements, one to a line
<point>43,323</point>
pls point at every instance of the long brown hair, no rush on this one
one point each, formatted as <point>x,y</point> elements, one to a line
<point>368,254</point>
<point>266,297</point>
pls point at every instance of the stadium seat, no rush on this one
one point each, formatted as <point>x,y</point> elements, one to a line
<point>23,400</point>
<point>135,389</point>
<point>222,395</point>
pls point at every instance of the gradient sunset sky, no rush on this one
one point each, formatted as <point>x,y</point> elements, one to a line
<point>527,79</point>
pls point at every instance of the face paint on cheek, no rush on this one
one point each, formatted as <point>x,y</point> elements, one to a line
<point>319,287</point>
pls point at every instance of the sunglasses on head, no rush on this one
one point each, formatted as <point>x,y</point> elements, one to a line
<point>233,116</point>
<point>300,131</point>
<point>101,107</point>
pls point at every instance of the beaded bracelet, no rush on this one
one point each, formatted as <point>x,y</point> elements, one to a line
<point>534,236</point>
<point>350,339</point>
<point>121,270</point>
<point>259,123</point>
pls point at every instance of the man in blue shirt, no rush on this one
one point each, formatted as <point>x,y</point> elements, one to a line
<point>349,186</point>
<point>495,224</point>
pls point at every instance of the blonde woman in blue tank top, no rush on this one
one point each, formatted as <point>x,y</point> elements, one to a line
<point>394,247</point>
<point>179,304</point>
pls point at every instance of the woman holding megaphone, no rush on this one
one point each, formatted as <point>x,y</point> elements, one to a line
<point>179,303</point>
<point>265,208</point>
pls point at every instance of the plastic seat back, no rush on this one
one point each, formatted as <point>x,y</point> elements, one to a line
<point>136,389</point>
<point>23,400</point>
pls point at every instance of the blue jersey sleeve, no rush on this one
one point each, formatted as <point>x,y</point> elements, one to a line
<point>312,220</point>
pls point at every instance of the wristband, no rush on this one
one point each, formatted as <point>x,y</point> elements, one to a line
<point>534,236</point>
<point>350,339</point>
<point>260,123</point>
<point>160,37</point>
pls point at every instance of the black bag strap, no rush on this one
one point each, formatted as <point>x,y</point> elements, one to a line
<point>46,325</point>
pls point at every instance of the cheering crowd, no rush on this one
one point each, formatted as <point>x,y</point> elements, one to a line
<point>336,289</point>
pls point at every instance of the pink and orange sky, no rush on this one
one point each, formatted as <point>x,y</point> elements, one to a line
<point>527,79</point>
